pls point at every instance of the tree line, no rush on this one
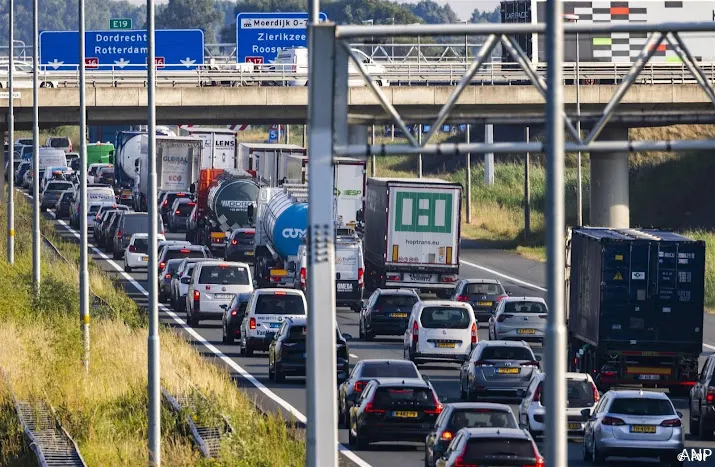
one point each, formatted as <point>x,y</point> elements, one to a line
<point>217,18</point>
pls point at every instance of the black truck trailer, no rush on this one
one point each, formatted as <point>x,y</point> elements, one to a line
<point>636,304</point>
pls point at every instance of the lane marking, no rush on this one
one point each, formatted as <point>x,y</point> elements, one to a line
<point>354,356</point>
<point>227,360</point>
<point>500,274</point>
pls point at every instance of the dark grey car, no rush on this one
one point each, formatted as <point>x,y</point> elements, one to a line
<point>497,370</point>
<point>483,294</point>
<point>129,224</point>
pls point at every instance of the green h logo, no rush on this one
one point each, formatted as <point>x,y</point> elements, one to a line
<point>424,212</point>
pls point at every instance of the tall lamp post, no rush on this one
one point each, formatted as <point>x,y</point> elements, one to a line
<point>571,18</point>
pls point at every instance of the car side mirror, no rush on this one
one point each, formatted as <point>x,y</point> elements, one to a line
<point>680,414</point>
<point>538,358</point>
<point>255,284</point>
<point>224,306</point>
<point>586,414</point>
<point>363,304</point>
<point>509,293</point>
<point>271,336</point>
<point>185,280</point>
<point>348,337</point>
<point>520,393</point>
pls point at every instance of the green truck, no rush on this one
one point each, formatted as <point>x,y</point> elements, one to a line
<point>96,153</point>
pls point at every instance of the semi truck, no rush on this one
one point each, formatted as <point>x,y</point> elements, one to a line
<point>269,161</point>
<point>223,198</point>
<point>619,47</point>
<point>174,166</point>
<point>411,234</point>
<point>635,307</point>
<point>219,150</point>
<point>281,218</point>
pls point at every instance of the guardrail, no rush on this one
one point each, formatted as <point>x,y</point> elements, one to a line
<point>395,74</point>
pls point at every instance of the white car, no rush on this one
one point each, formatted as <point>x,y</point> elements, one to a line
<point>137,254</point>
<point>440,330</point>
<point>22,78</point>
<point>581,394</point>
<point>519,318</point>
<point>181,280</point>
<point>214,283</point>
<point>265,313</point>
<point>92,170</point>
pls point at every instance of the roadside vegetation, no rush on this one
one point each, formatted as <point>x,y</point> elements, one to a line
<point>105,410</point>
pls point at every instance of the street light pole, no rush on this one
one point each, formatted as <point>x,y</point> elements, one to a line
<point>83,241</point>
<point>11,138</point>
<point>35,151</point>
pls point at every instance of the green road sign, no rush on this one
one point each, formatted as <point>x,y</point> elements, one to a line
<point>427,212</point>
<point>120,23</point>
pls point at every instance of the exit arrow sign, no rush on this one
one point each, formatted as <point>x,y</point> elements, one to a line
<point>120,23</point>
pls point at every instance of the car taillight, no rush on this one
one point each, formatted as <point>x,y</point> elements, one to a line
<point>531,363</point>
<point>612,421</point>
<point>359,386</point>
<point>415,332</point>
<point>132,248</point>
<point>710,397</point>
<point>303,274</point>
<point>234,242</point>
<point>234,312</point>
<point>673,422</point>
<point>177,212</point>
<point>166,201</point>
<point>98,217</point>
<point>393,277</point>
<point>197,295</point>
<point>162,265</point>
<point>168,276</point>
<point>119,234</point>
<point>596,395</point>
<point>503,317</point>
<point>361,274</point>
<point>252,323</point>
<point>539,460</point>
<point>482,363</point>
<point>370,409</point>
<point>537,394</point>
<point>502,297</point>
<point>608,374</point>
<point>447,435</point>
<point>438,406</point>
<point>448,279</point>
<point>474,333</point>
<point>462,298</point>
<point>459,462</point>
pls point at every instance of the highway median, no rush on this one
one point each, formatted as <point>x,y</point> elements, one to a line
<point>105,410</point>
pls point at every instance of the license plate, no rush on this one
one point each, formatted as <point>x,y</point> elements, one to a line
<point>643,429</point>
<point>649,377</point>
<point>526,331</point>
<point>398,315</point>
<point>574,426</point>
<point>345,287</point>
<point>508,371</point>
<point>275,325</point>
<point>404,414</point>
<point>445,345</point>
<point>484,303</point>
<point>422,277</point>
<point>145,258</point>
<point>223,296</point>
<point>249,253</point>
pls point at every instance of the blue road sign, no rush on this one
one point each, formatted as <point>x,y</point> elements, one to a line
<point>273,136</point>
<point>260,36</point>
<point>175,49</point>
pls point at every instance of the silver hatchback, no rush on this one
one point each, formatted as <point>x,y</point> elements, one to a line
<point>633,424</point>
<point>519,318</point>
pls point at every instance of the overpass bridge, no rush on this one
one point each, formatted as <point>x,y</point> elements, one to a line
<point>643,105</point>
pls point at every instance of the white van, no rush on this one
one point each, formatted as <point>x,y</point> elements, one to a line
<point>440,330</point>
<point>93,169</point>
<point>295,61</point>
<point>215,283</point>
<point>50,157</point>
<point>349,271</point>
<point>266,311</point>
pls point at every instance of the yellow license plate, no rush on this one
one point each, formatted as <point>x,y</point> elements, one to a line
<point>145,259</point>
<point>404,414</point>
<point>279,272</point>
<point>643,429</point>
<point>445,345</point>
<point>574,426</point>
<point>217,235</point>
<point>526,331</point>
<point>508,371</point>
<point>484,303</point>
<point>400,315</point>
<point>249,253</point>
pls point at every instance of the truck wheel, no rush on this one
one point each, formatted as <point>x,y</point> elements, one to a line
<point>248,350</point>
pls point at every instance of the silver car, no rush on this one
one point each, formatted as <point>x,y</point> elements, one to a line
<point>519,318</point>
<point>491,446</point>
<point>633,424</point>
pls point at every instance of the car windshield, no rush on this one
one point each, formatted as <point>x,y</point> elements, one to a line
<point>398,396</point>
<point>496,352</point>
<point>436,317</point>
<point>243,238</point>
<point>141,244</point>
<point>524,307</point>
<point>641,406</point>
<point>483,289</point>
<point>224,274</point>
<point>480,418</point>
<point>388,370</point>
<point>58,186</point>
<point>59,143</point>
<point>172,266</point>
<point>92,171</point>
<point>279,304</point>
<point>66,196</point>
<point>479,448</point>
<point>579,394</point>
<point>170,197</point>
<point>184,209</point>
<point>184,253</point>
<point>396,301</point>
<point>94,208</point>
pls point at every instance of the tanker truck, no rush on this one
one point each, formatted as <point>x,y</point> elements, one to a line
<point>281,223</point>
<point>222,199</point>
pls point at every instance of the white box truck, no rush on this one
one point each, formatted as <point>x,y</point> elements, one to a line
<point>219,150</point>
<point>411,234</point>
<point>265,160</point>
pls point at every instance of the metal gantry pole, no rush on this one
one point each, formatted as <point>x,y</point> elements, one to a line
<point>35,152</point>
<point>579,176</point>
<point>154,384</point>
<point>83,242</point>
<point>11,136</point>
<point>468,163</point>
<point>419,157</point>
<point>373,162</point>
<point>489,157</point>
<point>322,434</point>
<point>556,453</point>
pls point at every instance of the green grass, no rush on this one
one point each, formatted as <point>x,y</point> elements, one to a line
<point>105,410</point>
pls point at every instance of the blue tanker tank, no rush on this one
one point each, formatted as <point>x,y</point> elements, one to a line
<point>286,223</point>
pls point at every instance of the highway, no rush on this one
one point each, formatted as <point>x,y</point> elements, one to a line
<point>519,276</point>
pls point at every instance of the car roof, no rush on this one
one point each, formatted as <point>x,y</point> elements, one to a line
<point>569,375</point>
<point>504,344</point>
<point>390,361</point>
<point>273,291</point>
<point>480,405</point>
<point>403,291</point>
<point>525,298</point>
<point>629,393</point>
<point>216,262</point>
<point>396,382</point>
<point>481,281</point>
<point>490,432</point>
<point>173,246</point>
<point>448,303</point>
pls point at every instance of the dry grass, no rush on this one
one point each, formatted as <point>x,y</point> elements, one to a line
<point>105,410</point>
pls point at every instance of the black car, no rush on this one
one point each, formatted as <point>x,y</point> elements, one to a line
<point>483,294</point>
<point>387,312</point>
<point>233,317</point>
<point>165,278</point>
<point>166,200</point>
<point>393,409</point>
<point>240,244</point>
<point>702,402</point>
<point>363,372</point>
<point>179,214</point>
<point>62,207</point>
<point>286,353</point>
<point>170,252</point>
<point>460,415</point>
<point>111,228</point>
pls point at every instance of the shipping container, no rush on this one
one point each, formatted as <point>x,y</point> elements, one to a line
<point>219,150</point>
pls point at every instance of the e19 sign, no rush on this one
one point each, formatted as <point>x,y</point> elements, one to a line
<point>120,23</point>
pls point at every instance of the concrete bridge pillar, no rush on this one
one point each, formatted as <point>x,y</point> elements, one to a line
<point>609,184</point>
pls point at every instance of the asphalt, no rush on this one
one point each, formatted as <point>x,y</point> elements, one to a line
<point>520,276</point>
